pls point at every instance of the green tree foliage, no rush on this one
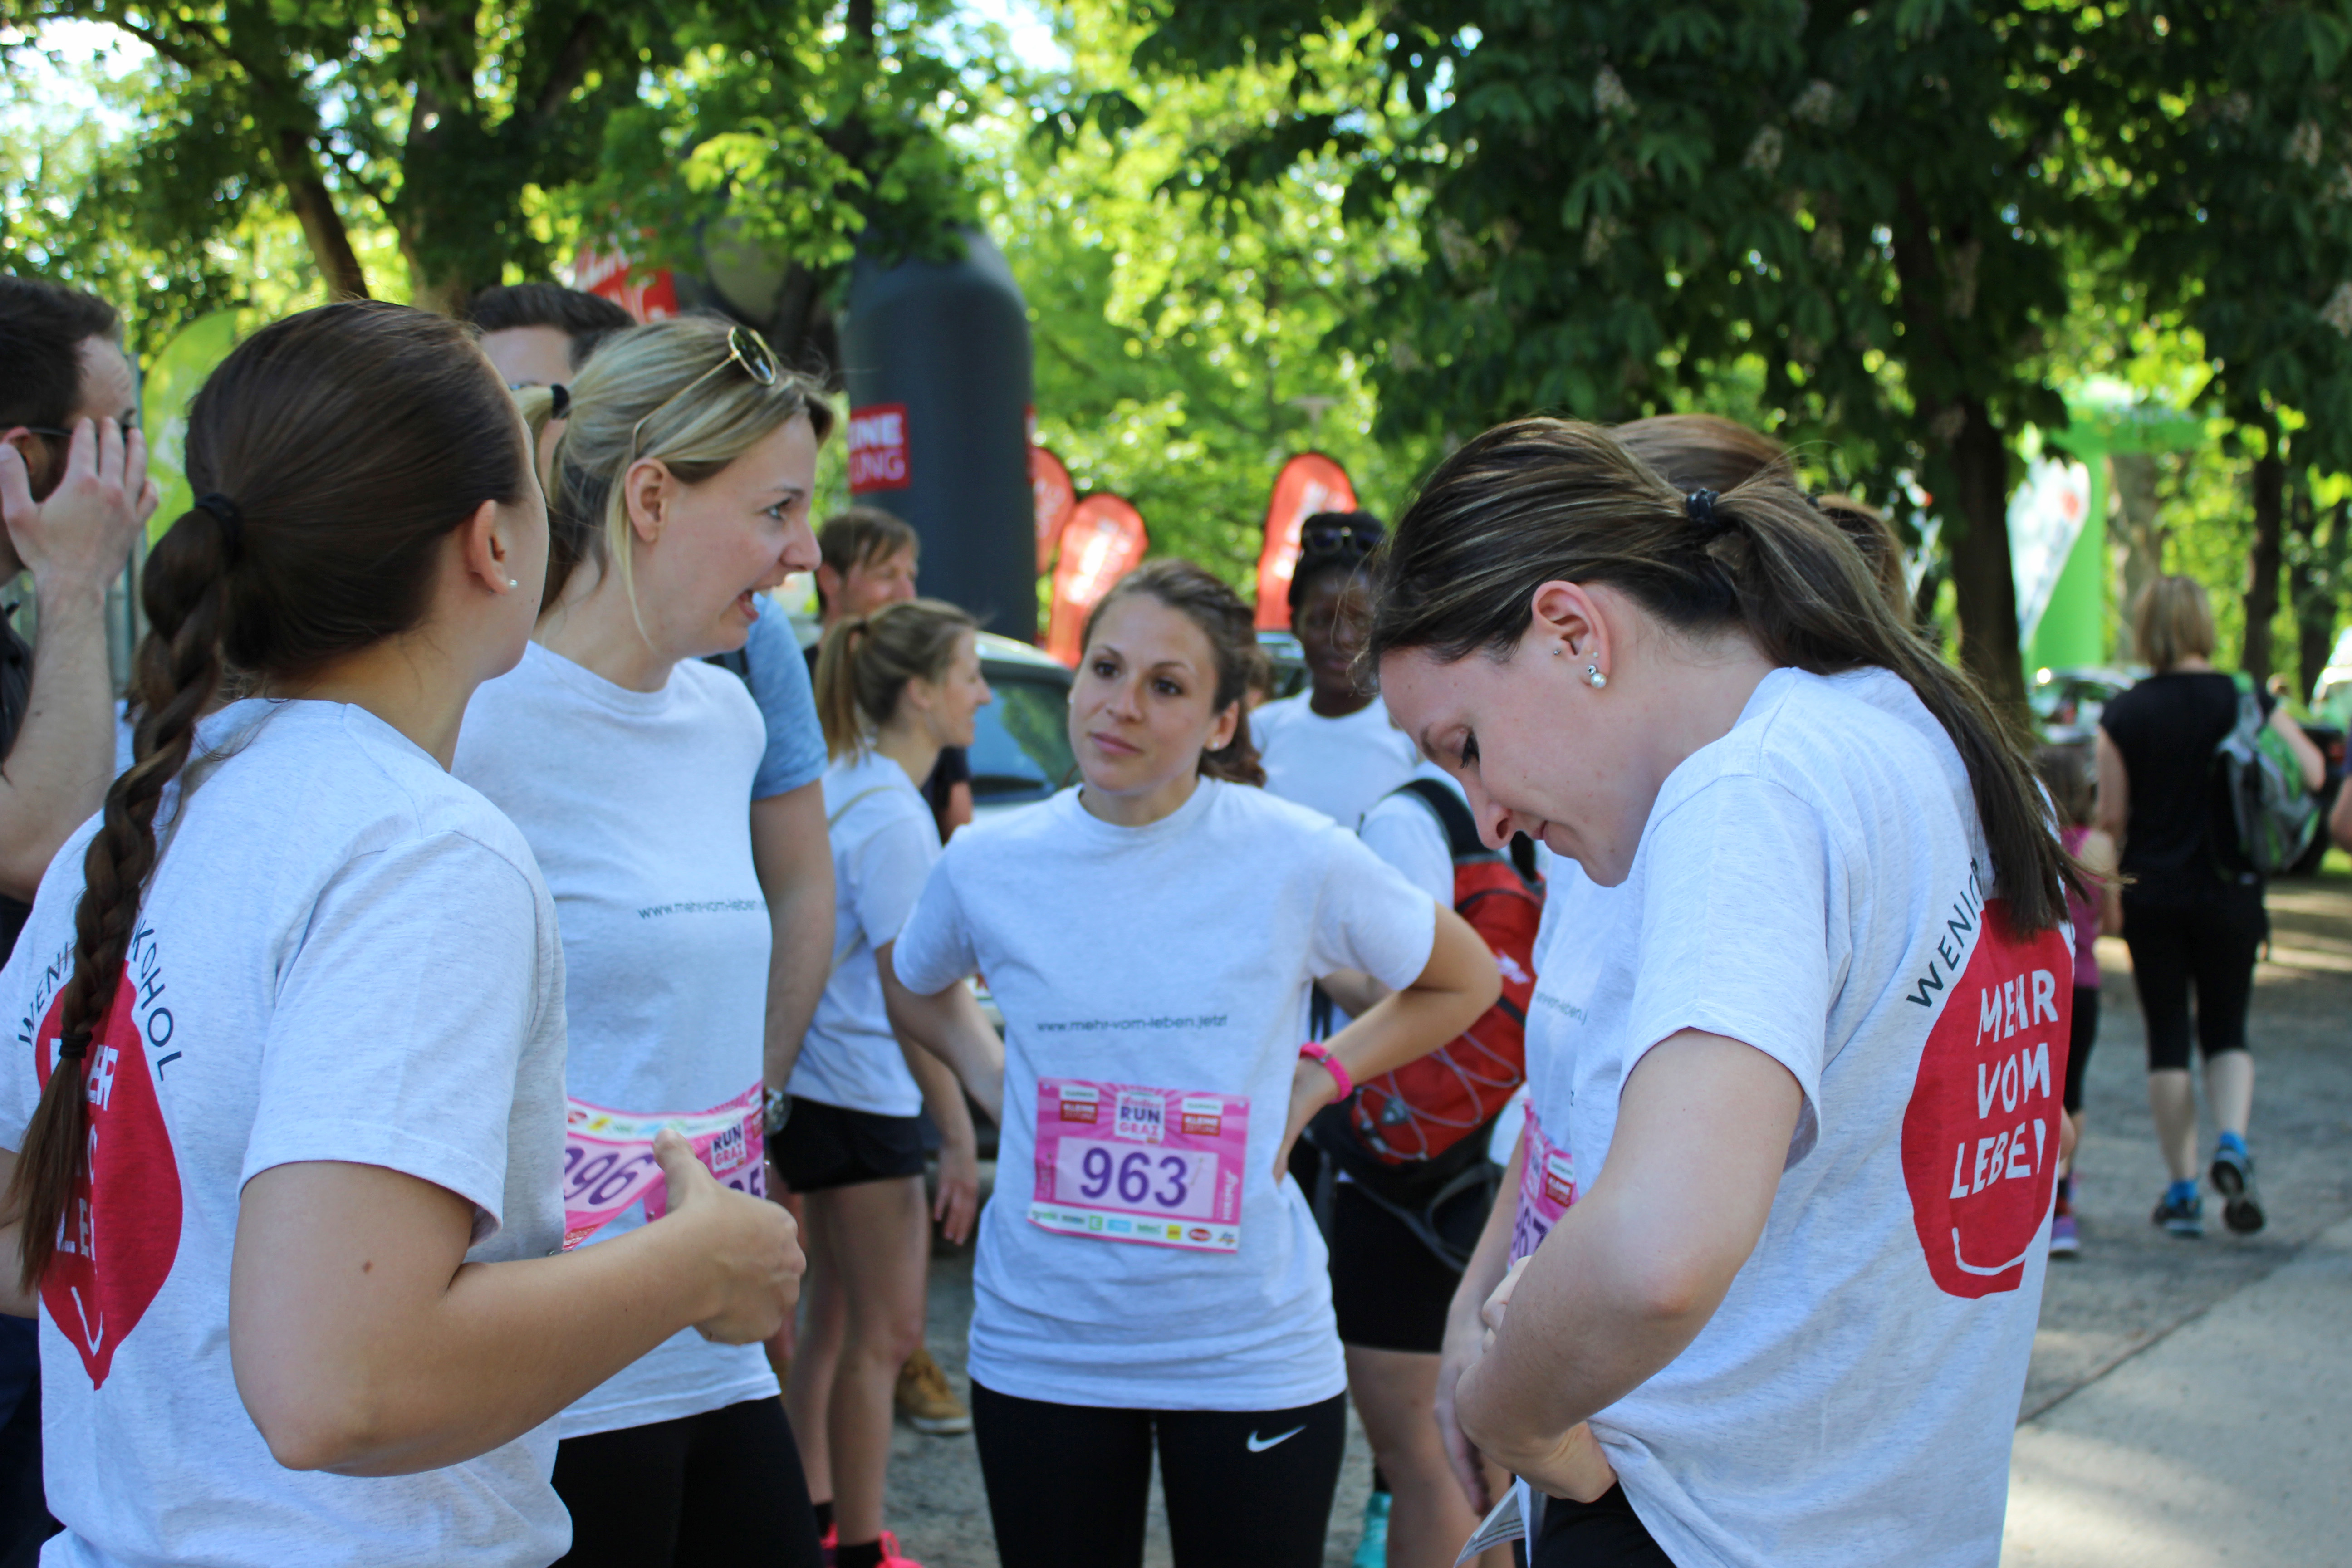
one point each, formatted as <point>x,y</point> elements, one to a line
<point>1182,334</point>
<point>473,135</point>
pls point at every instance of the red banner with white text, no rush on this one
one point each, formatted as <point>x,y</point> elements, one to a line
<point>1309,483</point>
<point>1102,542</point>
<point>649,296</point>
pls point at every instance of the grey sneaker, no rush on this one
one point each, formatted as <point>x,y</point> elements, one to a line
<point>2233,1178</point>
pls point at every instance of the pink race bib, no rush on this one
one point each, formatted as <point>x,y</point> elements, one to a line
<point>1547,1187</point>
<point>1118,1162</point>
<point>608,1159</point>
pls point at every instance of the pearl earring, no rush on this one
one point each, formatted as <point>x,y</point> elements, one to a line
<point>512,583</point>
<point>1593,678</point>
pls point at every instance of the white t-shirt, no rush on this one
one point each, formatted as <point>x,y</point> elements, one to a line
<point>1340,767</point>
<point>1174,957</point>
<point>636,805</point>
<point>346,955</point>
<point>1811,884</point>
<point>885,841</point>
<point>1401,830</point>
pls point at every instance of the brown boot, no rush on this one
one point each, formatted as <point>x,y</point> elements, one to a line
<point>926,1401</point>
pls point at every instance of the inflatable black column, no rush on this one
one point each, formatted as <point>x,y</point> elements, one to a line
<point>935,355</point>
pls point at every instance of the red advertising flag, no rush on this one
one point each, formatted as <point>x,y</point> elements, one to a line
<point>649,296</point>
<point>1102,542</point>
<point>1309,483</point>
<point>1049,482</point>
<point>878,449</point>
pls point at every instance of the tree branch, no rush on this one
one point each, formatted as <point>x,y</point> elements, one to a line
<point>570,64</point>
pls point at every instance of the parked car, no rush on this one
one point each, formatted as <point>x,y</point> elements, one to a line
<point>1021,741</point>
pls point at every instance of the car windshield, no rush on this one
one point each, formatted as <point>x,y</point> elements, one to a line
<point>1021,741</point>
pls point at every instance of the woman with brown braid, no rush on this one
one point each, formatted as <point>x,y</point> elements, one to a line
<point>289,1104</point>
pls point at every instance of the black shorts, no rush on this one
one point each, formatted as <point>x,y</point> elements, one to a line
<point>1604,1534</point>
<point>721,1486</point>
<point>1388,1290</point>
<point>824,1146</point>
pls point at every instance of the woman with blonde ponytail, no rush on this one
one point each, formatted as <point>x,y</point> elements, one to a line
<point>893,688</point>
<point>287,1112</point>
<point>1797,1046</point>
<point>680,494</point>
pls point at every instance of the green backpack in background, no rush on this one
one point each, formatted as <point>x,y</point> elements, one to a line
<point>2273,814</point>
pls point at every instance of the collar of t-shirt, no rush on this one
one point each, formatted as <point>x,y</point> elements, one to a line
<point>1113,835</point>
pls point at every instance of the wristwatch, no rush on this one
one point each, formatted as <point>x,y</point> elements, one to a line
<point>775,1109</point>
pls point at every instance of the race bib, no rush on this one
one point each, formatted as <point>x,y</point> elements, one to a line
<point>1117,1161</point>
<point>608,1159</point>
<point>1547,1186</point>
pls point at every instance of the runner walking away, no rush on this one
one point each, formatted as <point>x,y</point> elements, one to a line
<point>898,685</point>
<point>1831,892</point>
<point>2192,905</point>
<point>869,560</point>
<point>73,491</point>
<point>682,489</point>
<point>323,1264</point>
<point>1150,936</point>
<point>1394,1278</point>
<point>2068,774</point>
<point>1331,747</point>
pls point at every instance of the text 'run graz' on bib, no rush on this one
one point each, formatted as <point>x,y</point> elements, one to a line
<point>1120,1161</point>
<point>608,1159</point>
<point>1980,1134</point>
<point>1547,1188</point>
<point>122,1225</point>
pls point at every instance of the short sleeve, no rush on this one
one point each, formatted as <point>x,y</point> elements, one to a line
<point>1735,930</point>
<point>1370,918</point>
<point>1403,832</point>
<point>795,755</point>
<point>935,947</point>
<point>402,1021</point>
<point>889,869</point>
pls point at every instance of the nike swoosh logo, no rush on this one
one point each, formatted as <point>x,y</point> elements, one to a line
<point>1259,1446</point>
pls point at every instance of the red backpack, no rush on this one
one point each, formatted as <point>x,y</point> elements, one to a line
<point>1424,1108</point>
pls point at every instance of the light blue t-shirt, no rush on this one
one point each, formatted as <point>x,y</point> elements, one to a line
<point>779,679</point>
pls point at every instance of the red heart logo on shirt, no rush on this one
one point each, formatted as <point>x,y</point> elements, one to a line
<point>122,1228</point>
<point>1980,1134</point>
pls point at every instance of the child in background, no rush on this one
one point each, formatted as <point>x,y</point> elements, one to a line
<point>2066,774</point>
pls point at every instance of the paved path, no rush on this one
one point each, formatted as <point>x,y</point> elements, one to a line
<point>2189,1403</point>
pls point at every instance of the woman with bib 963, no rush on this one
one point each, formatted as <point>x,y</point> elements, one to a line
<point>681,489</point>
<point>292,1015</point>
<point>1146,1271</point>
<point>1803,1081</point>
<point>893,688</point>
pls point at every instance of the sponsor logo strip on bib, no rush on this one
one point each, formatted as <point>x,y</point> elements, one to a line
<point>1120,1161</point>
<point>608,1158</point>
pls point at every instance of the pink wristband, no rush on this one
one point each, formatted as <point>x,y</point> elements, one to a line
<point>1320,1052</point>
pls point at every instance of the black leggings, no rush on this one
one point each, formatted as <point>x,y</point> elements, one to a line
<point>1604,1534</point>
<point>1068,1484</point>
<point>2210,944</point>
<point>721,1486</point>
<point>2083,1036</point>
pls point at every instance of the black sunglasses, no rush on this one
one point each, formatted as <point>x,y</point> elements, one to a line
<point>1332,538</point>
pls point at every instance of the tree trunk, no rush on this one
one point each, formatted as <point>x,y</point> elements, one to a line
<point>1983,584</point>
<point>2139,532</point>
<point>322,225</point>
<point>2323,571</point>
<point>2308,596</point>
<point>2263,586</point>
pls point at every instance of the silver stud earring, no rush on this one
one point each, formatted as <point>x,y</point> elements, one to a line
<point>512,583</point>
<point>1593,678</point>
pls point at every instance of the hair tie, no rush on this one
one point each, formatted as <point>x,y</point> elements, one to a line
<point>231,520</point>
<point>558,401</point>
<point>1700,505</point>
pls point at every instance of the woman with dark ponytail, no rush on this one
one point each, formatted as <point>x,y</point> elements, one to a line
<point>1797,1043</point>
<point>289,1109</point>
<point>1150,937</point>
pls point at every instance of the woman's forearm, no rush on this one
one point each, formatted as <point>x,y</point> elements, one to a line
<point>795,862</point>
<point>949,1026</point>
<point>942,1096</point>
<point>1459,983</point>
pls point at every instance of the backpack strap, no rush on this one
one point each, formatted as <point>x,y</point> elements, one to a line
<point>1462,839</point>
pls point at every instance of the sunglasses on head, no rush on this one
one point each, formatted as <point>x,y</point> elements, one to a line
<point>1332,538</point>
<point>745,348</point>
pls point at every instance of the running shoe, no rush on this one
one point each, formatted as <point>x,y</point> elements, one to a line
<point>2064,1240</point>
<point>926,1402</point>
<point>832,1539</point>
<point>2233,1178</point>
<point>891,1556</point>
<point>2184,1217</point>
<point>1372,1551</point>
